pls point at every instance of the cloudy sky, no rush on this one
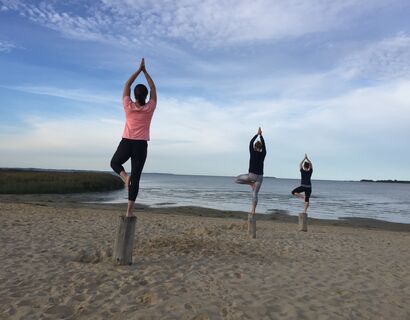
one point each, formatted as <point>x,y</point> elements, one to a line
<point>329,78</point>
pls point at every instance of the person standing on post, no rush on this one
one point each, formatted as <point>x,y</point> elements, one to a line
<point>306,170</point>
<point>254,177</point>
<point>134,144</point>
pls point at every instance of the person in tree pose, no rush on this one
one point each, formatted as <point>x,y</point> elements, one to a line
<point>254,177</point>
<point>306,170</point>
<point>134,144</point>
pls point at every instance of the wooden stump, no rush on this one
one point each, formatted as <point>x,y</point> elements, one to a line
<point>303,221</point>
<point>252,225</point>
<point>124,240</point>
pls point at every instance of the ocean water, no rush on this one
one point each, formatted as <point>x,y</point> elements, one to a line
<point>329,200</point>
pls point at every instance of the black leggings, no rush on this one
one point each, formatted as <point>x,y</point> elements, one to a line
<point>137,151</point>
<point>307,191</point>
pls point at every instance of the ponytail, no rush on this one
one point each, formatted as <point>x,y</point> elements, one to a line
<point>140,93</point>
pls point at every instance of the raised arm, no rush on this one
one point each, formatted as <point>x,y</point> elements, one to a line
<point>263,144</point>
<point>308,160</point>
<point>127,87</point>
<point>153,90</point>
<point>252,142</point>
<point>303,160</point>
<point>262,140</point>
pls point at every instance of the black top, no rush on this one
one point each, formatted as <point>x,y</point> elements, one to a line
<point>256,157</point>
<point>305,175</point>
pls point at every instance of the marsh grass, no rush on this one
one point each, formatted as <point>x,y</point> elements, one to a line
<point>21,181</point>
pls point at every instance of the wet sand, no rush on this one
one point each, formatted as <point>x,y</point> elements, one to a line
<point>195,263</point>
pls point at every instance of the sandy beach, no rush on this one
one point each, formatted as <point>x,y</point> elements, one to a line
<point>193,263</point>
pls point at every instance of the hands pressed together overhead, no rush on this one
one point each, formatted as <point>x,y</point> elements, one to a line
<point>142,65</point>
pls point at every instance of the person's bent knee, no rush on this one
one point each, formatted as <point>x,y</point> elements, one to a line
<point>115,166</point>
<point>112,164</point>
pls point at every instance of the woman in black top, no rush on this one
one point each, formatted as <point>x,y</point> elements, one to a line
<point>306,170</point>
<point>254,178</point>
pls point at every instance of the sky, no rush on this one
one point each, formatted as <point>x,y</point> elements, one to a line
<point>326,78</point>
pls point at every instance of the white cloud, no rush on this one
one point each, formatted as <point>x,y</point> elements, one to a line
<point>234,22</point>
<point>68,93</point>
<point>202,22</point>
<point>386,59</point>
<point>6,46</point>
<point>61,143</point>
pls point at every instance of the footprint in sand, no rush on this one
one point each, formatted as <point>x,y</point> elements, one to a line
<point>201,317</point>
<point>60,311</point>
<point>224,312</point>
<point>145,299</point>
<point>126,289</point>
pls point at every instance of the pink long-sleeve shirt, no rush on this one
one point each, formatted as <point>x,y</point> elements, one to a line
<point>137,119</point>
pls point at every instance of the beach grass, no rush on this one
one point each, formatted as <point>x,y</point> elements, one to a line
<point>21,181</point>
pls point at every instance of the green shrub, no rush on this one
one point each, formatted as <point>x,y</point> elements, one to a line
<point>15,181</point>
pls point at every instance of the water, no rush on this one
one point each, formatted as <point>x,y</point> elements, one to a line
<point>329,200</point>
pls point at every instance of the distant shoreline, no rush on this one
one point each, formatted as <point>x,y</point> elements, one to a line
<point>193,175</point>
<point>385,181</point>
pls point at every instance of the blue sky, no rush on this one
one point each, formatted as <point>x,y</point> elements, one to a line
<point>329,78</point>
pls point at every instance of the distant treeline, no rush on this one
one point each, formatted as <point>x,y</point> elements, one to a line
<point>385,181</point>
<point>32,181</point>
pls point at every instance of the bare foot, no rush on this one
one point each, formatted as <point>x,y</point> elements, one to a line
<point>127,182</point>
<point>129,215</point>
<point>253,186</point>
<point>125,178</point>
<point>299,196</point>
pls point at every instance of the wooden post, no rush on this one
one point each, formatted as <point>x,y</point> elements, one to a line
<point>252,225</point>
<point>303,221</point>
<point>124,240</point>
<point>249,224</point>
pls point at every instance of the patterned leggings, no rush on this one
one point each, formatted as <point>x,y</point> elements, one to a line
<point>250,178</point>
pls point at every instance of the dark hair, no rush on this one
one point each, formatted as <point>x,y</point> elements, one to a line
<point>140,93</point>
<point>306,165</point>
<point>258,145</point>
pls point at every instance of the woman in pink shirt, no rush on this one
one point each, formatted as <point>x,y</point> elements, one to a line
<point>134,144</point>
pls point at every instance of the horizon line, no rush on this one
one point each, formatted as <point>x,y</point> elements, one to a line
<point>186,174</point>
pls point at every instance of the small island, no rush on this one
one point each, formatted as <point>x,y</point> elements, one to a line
<point>40,181</point>
<point>385,181</point>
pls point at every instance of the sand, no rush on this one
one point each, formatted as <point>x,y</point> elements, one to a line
<point>55,263</point>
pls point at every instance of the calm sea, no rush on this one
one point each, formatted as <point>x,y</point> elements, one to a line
<point>329,200</point>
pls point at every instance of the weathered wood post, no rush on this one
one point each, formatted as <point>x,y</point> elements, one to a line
<point>252,225</point>
<point>303,221</point>
<point>249,224</point>
<point>124,240</point>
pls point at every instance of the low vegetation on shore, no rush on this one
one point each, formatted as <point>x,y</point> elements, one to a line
<point>21,181</point>
<point>385,181</point>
